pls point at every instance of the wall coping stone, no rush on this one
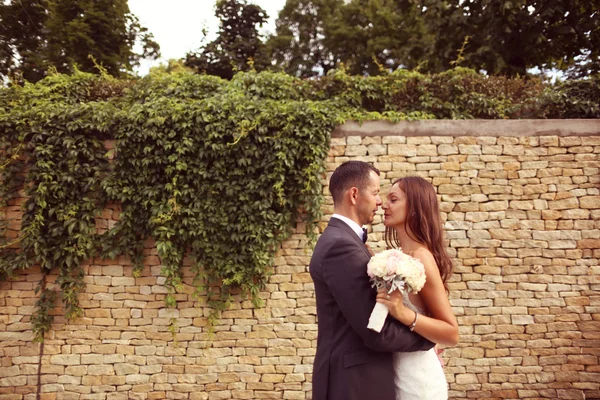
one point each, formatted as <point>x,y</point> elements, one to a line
<point>473,127</point>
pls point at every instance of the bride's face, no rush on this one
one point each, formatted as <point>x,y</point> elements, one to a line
<point>395,207</point>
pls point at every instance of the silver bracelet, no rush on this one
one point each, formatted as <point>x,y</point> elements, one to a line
<point>412,326</point>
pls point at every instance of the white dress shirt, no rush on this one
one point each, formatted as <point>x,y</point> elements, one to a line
<point>355,227</point>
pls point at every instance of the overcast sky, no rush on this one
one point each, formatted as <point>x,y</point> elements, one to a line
<point>177,24</point>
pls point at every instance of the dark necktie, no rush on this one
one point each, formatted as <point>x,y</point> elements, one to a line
<point>364,235</point>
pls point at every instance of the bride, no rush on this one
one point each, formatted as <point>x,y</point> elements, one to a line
<point>412,221</point>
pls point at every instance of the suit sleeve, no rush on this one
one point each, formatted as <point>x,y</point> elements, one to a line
<point>349,284</point>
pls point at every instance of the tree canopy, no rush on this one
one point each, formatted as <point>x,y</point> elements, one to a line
<point>506,37</point>
<point>238,43</point>
<point>317,36</point>
<point>510,37</point>
<point>37,35</point>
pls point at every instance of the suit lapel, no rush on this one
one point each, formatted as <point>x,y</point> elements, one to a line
<point>338,223</point>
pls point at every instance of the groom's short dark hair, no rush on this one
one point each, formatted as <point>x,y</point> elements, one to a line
<point>350,174</point>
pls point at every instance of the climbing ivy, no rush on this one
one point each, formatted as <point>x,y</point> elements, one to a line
<point>215,170</point>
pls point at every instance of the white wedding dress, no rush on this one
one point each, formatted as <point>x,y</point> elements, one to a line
<point>419,375</point>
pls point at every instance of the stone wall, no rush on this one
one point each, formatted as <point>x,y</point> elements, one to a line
<point>521,205</point>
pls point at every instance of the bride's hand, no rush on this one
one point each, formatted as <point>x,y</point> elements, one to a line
<point>396,306</point>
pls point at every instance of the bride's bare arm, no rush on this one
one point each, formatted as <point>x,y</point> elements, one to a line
<point>441,326</point>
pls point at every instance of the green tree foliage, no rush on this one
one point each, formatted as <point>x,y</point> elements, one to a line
<point>301,46</point>
<point>316,36</point>
<point>211,169</point>
<point>22,41</point>
<point>510,36</point>
<point>239,45</point>
<point>36,35</point>
<point>506,37</point>
<point>381,35</point>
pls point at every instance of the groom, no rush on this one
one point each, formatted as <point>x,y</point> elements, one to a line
<point>352,362</point>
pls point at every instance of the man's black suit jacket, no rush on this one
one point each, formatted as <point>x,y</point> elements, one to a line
<point>352,362</point>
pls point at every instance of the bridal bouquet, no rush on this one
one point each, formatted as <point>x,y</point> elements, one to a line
<point>390,270</point>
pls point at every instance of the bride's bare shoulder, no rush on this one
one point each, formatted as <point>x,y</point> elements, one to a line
<point>425,256</point>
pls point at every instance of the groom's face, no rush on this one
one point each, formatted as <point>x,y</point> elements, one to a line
<point>369,200</point>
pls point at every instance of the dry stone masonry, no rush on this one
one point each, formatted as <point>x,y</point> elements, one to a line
<point>521,208</point>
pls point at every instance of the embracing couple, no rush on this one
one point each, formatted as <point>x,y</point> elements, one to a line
<point>400,362</point>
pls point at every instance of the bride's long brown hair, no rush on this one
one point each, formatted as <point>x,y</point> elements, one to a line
<point>423,219</point>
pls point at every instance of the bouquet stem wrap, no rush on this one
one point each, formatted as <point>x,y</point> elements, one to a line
<point>378,316</point>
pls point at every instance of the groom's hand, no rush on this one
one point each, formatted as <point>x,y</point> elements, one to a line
<point>439,352</point>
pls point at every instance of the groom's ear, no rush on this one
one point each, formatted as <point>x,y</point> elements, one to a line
<point>353,195</point>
